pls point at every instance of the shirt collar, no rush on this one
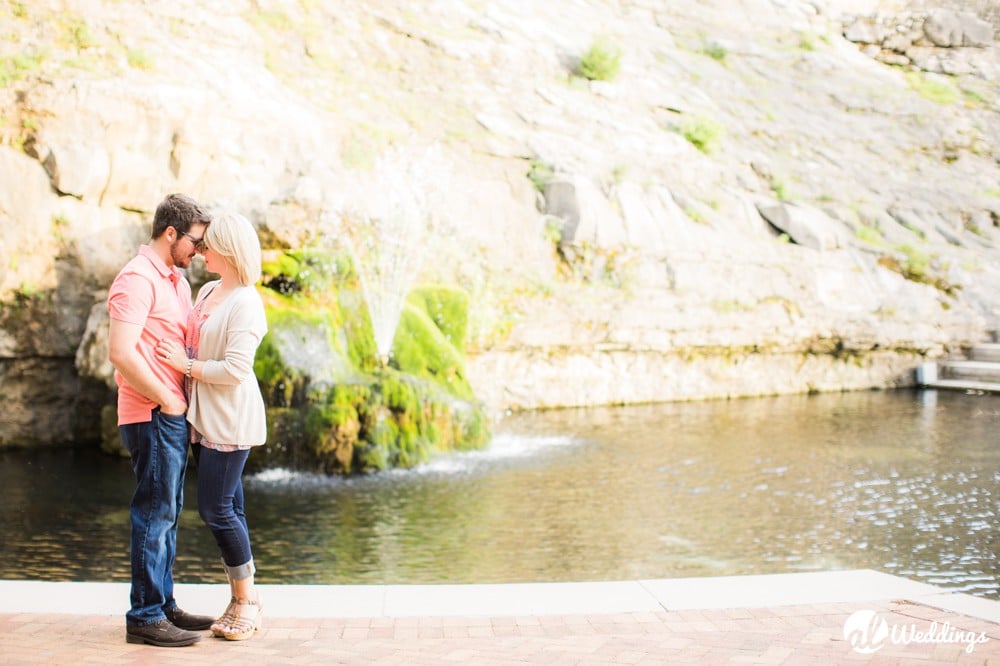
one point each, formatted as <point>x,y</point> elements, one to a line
<point>172,273</point>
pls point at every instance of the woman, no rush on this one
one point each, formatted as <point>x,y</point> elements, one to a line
<point>225,408</point>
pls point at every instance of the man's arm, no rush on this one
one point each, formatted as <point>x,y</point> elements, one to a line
<point>123,353</point>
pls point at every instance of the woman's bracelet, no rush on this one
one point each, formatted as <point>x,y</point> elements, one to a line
<point>187,372</point>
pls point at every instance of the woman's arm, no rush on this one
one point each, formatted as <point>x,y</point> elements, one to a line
<point>234,367</point>
<point>237,361</point>
<point>245,328</point>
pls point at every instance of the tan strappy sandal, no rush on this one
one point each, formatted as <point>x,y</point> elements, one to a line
<point>247,617</point>
<point>220,626</point>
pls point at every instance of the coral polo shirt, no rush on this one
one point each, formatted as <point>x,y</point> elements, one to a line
<point>157,297</point>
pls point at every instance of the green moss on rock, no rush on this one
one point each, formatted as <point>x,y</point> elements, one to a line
<point>421,349</point>
<point>340,410</point>
<point>308,270</point>
<point>448,308</point>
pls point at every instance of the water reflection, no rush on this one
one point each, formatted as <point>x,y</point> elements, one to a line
<point>900,482</point>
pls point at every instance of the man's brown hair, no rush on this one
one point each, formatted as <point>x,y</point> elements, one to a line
<point>180,212</point>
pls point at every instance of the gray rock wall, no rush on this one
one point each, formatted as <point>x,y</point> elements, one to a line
<point>754,204</point>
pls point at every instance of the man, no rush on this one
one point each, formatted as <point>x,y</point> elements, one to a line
<point>149,301</point>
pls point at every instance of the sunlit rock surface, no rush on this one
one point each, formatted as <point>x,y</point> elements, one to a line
<point>611,234</point>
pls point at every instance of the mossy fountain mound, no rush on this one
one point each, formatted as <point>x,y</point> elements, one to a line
<point>334,405</point>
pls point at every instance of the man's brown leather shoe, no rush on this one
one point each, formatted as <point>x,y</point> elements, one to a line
<point>160,634</point>
<point>184,620</point>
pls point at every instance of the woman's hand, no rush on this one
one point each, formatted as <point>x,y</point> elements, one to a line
<point>172,354</point>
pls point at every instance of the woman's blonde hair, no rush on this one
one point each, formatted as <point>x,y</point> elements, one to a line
<point>232,236</point>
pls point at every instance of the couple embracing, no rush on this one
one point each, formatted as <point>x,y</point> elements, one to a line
<point>185,378</point>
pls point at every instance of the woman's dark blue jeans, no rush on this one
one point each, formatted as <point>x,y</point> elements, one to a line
<point>159,450</point>
<point>220,505</point>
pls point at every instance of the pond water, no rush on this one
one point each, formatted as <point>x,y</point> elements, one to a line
<point>903,482</point>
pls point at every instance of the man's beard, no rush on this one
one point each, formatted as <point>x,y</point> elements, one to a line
<point>181,260</point>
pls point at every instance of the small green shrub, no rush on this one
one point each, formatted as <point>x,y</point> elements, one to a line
<point>870,235</point>
<point>917,264</point>
<point>939,90</point>
<point>77,34</point>
<point>695,215</point>
<point>618,174</point>
<point>780,189</point>
<point>539,174</point>
<point>16,67</point>
<point>975,98</point>
<point>139,60</point>
<point>703,133</point>
<point>277,20</point>
<point>601,62</point>
<point>553,232</point>
<point>715,51</point>
<point>730,306</point>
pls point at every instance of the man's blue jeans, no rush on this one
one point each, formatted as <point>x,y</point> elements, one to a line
<point>159,459</point>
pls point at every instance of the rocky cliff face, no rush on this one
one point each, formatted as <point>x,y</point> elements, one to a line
<point>754,197</point>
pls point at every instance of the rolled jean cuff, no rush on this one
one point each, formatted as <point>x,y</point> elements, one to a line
<point>240,571</point>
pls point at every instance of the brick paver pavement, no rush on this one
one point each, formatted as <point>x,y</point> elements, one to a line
<point>802,634</point>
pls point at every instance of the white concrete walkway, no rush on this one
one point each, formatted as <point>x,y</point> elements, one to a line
<point>839,617</point>
<point>537,599</point>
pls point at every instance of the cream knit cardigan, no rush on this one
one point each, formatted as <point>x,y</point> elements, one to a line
<point>226,406</point>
